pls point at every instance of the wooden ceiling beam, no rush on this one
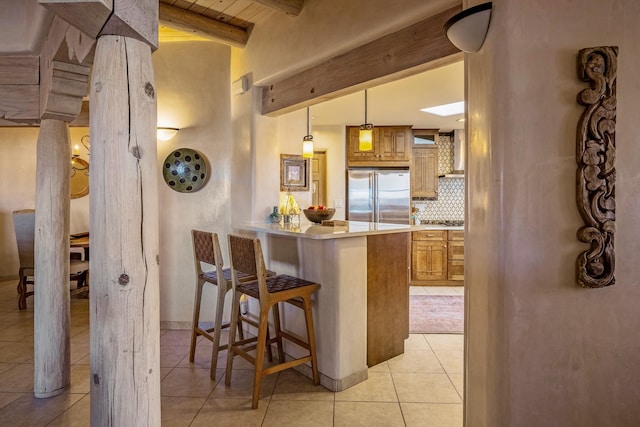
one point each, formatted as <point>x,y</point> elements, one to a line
<point>89,16</point>
<point>131,18</point>
<point>19,70</point>
<point>198,25</point>
<point>290,7</point>
<point>413,49</point>
<point>20,103</point>
<point>64,80</point>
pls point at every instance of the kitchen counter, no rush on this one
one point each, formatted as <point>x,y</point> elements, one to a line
<point>361,311</point>
<point>309,230</point>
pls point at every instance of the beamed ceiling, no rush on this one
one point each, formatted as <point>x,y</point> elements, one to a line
<point>44,70</point>
<point>30,91</point>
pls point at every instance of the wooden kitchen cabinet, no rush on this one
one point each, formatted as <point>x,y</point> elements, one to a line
<point>424,173</point>
<point>391,147</point>
<point>429,255</point>
<point>455,255</point>
<point>437,257</point>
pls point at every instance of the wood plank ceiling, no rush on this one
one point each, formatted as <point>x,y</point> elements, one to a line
<point>226,21</point>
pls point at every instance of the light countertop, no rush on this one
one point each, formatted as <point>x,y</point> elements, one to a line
<point>308,230</point>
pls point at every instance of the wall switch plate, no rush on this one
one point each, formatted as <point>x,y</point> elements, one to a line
<point>337,203</point>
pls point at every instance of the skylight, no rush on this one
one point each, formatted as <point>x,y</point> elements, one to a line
<point>446,109</point>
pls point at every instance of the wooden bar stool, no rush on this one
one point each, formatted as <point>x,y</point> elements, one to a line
<point>206,249</point>
<point>246,259</point>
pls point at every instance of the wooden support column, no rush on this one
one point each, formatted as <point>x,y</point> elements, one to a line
<point>51,298</point>
<point>125,326</point>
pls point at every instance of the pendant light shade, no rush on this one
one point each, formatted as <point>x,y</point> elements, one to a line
<point>307,141</point>
<point>365,136</point>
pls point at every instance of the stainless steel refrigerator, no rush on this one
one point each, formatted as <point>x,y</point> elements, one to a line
<point>379,195</point>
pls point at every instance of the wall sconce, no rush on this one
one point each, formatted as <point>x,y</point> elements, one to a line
<point>468,29</point>
<point>365,135</point>
<point>165,134</point>
<point>79,178</point>
<point>307,141</point>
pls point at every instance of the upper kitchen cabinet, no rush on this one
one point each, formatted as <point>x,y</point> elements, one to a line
<point>424,164</point>
<point>391,147</point>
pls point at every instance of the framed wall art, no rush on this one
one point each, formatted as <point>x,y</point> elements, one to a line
<point>294,173</point>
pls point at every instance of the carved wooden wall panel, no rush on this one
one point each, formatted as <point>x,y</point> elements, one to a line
<point>596,175</point>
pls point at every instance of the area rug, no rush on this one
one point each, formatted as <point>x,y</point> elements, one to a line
<point>436,314</point>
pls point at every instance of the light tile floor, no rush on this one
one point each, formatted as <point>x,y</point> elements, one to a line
<point>422,387</point>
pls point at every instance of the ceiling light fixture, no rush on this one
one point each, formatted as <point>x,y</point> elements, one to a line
<point>365,136</point>
<point>468,29</point>
<point>307,141</point>
<point>165,134</point>
<point>446,109</point>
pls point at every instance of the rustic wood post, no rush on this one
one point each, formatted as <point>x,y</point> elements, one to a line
<point>51,297</point>
<point>125,326</point>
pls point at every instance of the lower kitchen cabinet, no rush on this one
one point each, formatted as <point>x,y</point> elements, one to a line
<point>429,255</point>
<point>437,257</point>
<point>455,255</point>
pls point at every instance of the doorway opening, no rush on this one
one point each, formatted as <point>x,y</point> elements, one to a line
<point>319,178</point>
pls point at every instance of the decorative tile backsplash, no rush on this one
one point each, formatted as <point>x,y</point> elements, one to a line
<point>450,203</point>
<point>445,154</point>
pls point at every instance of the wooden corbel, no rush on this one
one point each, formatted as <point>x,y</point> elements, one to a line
<point>596,174</point>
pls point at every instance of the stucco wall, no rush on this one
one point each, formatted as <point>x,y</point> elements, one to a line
<point>193,95</point>
<point>18,190</point>
<point>322,30</point>
<point>541,350</point>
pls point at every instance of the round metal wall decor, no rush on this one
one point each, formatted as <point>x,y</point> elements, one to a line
<point>185,170</point>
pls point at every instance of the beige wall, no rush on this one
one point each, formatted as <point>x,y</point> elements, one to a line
<point>193,95</point>
<point>18,190</point>
<point>324,29</point>
<point>542,351</point>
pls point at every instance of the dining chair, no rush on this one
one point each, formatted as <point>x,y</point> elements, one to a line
<point>247,259</point>
<point>24,225</point>
<point>206,250</point>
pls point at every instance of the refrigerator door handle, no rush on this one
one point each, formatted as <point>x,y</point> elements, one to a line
<point>376,205</point>
<point>372,199</point>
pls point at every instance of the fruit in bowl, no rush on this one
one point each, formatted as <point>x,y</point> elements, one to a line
<point>318,214</point>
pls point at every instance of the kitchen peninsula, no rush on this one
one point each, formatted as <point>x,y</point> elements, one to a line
<point>361,312</point>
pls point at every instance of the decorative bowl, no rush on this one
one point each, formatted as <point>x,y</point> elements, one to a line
<point>319,215</point>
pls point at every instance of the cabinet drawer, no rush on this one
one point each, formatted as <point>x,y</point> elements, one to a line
<point>456,250</point>
<point>429,235</point>
<point>455,270</point>
<point>456,234</point>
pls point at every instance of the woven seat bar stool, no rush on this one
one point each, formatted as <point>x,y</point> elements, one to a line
<point>206,249</point>
<point>247,259</point>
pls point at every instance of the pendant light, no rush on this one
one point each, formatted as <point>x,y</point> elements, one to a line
<point>307,141</point>
<point>365,136</point>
